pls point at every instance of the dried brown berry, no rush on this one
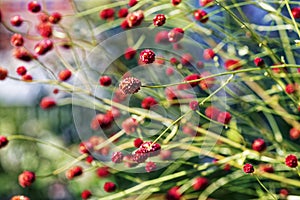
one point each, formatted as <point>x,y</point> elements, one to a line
<point>130,85</point>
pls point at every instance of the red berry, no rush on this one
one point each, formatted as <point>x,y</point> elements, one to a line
<point>278,70</point>
<point>290,88</point>
<point>113,113</point>
<point>170,71</point>
<point>119,96</point>
<point>89,159</point>
<point>123,12</point>
<point>147,56</point>
<point>175,2</point>
<point>173,194</point>
<point>150,149</point>
<point>103,172</point>
<point>34,6</point>
<point>74,172</point>
<point>16,20</point>
<point>21,70</point>
<point>55,17</point>
<point>107,13</point>
<point>212,112</point>
<point>109,187</point>
<point>23,54</point>
<point>64,75</point>
<point>129,53</point>
<point>105,80</point>
<point>232,64</point>
<point>227,167</point>
<point>129,125</point>
<point>85,147</point>
<point>139,156</point>
<point>266,168</point>
<point>159,60</point>
<point>296,12</point>
<point>17,40</point>
<point>259,145</point>
<point>191,77</point>
<point>148,102</point>
<point>3,73</point>
<point>187,129</point>
<point>3,141</point>
<point>207,82</point>
<point>55,91</point>
<point>124,25</point>
<point>174,61</point>
<point>150,166</point>
<point>85,194</point>
<point>26,178</point>
<point>138,142</point>
<point>291,161</point>
<point>259,62</point>
<point>165,154</point>
<point>130,85</point>
<point>101,121</point>
<point>194,105</point>
<point>19,197</point>
<point>170,93</point>
<point>201,16</point>
<point>208,54</point>
<point>284,193</point>
<point>248,168</point>
<point>45,29</point>
<point>224,117</point>
<point>187,59</point>
<point>200,64</point>
<point>176,34</point>
<point>200,183</point>
<point>162,37</point>
<point>177,46</point>
<point>47,102</point>
<point>135,18</point>
<point>294,133</point>
<point>132,3</point>
<point>43,47</point>
<point>205,2</point>
<point>117,157</point>
<point>159,20</point>
<point>129,161</point>
<point>43,17</point>
<point>27,77</point>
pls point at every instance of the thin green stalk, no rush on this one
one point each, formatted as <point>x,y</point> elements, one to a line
<point>32,139</point>
<point>264,187</point>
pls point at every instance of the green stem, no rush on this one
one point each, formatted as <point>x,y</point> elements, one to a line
<point>264,187</point>
<point>32,139</point>
<point>172,124</point>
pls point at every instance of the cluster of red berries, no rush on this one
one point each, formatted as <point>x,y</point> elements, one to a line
<point>44,28</point>
<point>145,150</point>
